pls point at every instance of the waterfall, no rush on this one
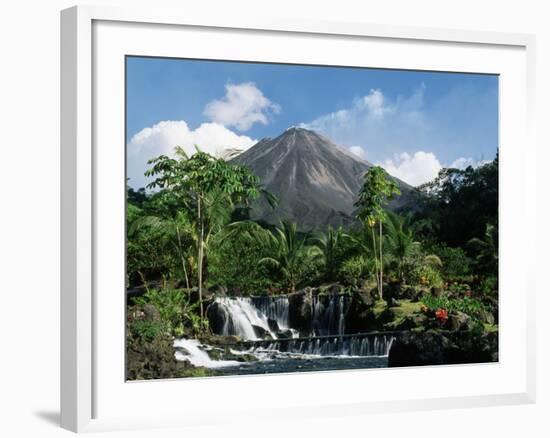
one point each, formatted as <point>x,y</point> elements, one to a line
<point>191,351</point>
<point>329,314</point>
<point>251,318</point>
<point>240,317</point>
<point>275,308</point>
<point>356,345</point>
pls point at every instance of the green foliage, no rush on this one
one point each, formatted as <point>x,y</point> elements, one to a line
<point>456,265</point>
<point>354,269</point>
<point>290,257</point>
<point>400,242</point>
<point>378,188</point>
<point>233,263</point>
<point>176,313</point>
<point>488,287</point>
<point>333,246</point>
<point>458,204</point>
<point>146,330</point>
<point>208,189</point>
<point>425,274</point>
<point>486,250</point>
<point>471,306</point>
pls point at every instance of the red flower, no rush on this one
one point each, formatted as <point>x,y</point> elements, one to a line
<point>442,314</point>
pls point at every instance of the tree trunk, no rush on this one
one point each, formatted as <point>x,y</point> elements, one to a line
<point>182,258</point>
<point>376,261</point>
<point>381,262</point>
<point>201,236</point>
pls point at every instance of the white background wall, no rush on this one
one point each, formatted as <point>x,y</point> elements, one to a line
<point>29,218</point>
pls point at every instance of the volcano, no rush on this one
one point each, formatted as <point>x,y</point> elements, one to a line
<point>315,180</point>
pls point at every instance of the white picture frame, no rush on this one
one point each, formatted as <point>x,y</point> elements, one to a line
<point>92,41</point>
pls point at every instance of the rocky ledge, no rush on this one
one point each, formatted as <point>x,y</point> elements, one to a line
<point>438,347</point>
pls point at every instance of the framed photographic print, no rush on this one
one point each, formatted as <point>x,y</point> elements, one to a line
<point>340,216</point>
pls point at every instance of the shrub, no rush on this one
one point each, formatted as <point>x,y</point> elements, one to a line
<point>456,264</point>
<point>354,269</point>
<point>174,310</point>
<point>471,306</point>
<point>426,275</point>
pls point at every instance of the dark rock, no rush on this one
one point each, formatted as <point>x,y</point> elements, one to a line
<point>285,334</point>
<point>375,294</point>
<point>436,291</point>
<point>359,315</point>
<point>435,347</point>
<point>458,321</point>
<point>391,291</point>
<point>217,317</point>
<point>300,310</point>
<point>151,313</point>
<point>407,293</point>
<point>261,332</point>
<point>487,317</point>
<point>393,303</point>
<point>417,321</point>
<point>273,325</point>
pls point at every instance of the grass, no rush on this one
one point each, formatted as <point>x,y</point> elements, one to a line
<point>405,308</point>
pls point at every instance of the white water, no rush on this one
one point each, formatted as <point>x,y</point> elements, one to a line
<point>376,345</point>
<point>189,350</point>
<point>240,317</point>
<point>329,315</point>
<point>275,308</point>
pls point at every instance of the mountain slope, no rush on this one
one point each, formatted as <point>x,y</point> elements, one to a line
<point>316,181</point>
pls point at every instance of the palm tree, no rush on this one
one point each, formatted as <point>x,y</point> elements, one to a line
<point>400,240</point>
<point>290,253</point>
<point>486,249</point>
<point>330,245</point>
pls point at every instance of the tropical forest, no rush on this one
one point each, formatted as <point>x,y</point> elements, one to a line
<point>241,266</point>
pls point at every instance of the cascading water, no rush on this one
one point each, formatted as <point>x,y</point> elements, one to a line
<point>240,317</point>
<point>190,350</point>
<point>329,314</point>
<point>264,320</point>
<point>274,308</point>
<point>356,345</point>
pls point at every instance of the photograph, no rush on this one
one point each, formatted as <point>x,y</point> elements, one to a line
<point>289,218</point>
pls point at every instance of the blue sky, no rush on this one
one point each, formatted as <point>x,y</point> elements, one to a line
<point>412,123</point>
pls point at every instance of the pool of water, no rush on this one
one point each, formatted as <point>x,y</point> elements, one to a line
<point>293,365</point>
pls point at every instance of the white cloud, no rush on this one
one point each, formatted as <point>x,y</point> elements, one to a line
<point>463,163</point>
<point>422,167</point>
<point>376,120</point>
<point>163,137</point>
<point>242,106</point>
<point>359,151</point>
<point>375,103</point>
<point>414,169</point>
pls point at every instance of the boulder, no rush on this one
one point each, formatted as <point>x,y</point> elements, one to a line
<point>391,291</point>
<point>300,310</point>
<point>286,334</point>
<point>458,321</point>
<point>359,313</point>
<point>438,347</point>
<point>412,322</point>
<point>414,349</point>
<point>217,316</point>
<point>261,332</point>
<point>273,325</point>
<point>408,293</point>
